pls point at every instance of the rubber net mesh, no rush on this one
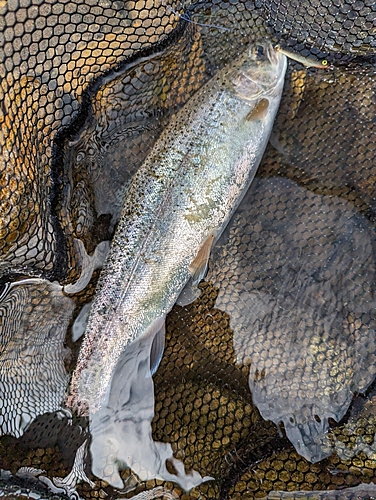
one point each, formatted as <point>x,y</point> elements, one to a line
<point>86,87</point>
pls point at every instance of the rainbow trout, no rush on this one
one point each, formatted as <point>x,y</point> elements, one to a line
<point>178,204</point>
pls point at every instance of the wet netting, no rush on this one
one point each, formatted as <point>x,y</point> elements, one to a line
<point>266,385</point>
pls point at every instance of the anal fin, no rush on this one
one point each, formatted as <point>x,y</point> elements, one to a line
<point>80,323</point>
<point>188,295</point>
<point>158,329</point>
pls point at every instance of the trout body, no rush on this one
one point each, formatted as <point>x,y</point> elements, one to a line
<point>180,199</point>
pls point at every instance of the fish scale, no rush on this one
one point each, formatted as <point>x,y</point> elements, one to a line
<point>309,142</point>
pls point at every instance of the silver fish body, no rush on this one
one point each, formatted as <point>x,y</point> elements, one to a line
<point>186,190</point>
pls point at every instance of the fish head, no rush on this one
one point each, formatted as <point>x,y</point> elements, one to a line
<point>258,73</point>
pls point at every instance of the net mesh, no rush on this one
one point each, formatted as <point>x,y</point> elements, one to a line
<point>85,90</point>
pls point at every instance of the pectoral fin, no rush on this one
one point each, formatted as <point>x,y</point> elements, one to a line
<point>199,264</point>
<point>259,111</point>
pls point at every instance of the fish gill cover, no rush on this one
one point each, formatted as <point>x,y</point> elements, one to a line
<point>284,329</point>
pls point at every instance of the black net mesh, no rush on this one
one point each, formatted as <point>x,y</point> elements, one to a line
<point>345,27</point>
<point>86,88</point>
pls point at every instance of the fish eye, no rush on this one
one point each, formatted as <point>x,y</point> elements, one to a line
<point>258,52</point>
<point>324,62</point>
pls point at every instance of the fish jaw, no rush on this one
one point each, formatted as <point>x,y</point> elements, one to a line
<point>188,188</point>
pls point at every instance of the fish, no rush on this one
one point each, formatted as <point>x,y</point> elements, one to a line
<point>306,61</point>
<point>177,206</point>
